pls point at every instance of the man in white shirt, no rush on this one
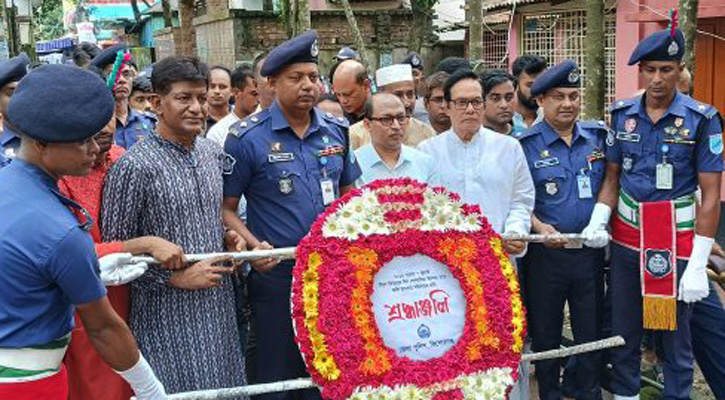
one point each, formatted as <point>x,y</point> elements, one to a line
<point>386,156</point>
<point>246,99</point>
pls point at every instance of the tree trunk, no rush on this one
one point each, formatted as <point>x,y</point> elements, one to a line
<point>134,9</point>
<point>186,27</point>
<point>688,24</point>
<point>475,30</point>
<point>268,5</point>
<point>168,18</point>
<point>594,62</point>
<point>359,41</point>
<point>302,17</point>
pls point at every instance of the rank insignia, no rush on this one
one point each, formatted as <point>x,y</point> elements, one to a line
<point>627,163</point>
<point>679,121</point>
<point>254,119</point>
<point>285,185</point>
<point>630,124</point>
<point>671,130</point>
<point>326,139</point>
<point>276,147</point>
<point>684,132</point>
<point>551,187</point>
<point>544,153</point>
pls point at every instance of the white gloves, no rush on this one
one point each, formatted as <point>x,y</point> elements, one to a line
<point>117,269</point>
<point>143,381</point>
<point>595,234</point>
<point>694,285</point>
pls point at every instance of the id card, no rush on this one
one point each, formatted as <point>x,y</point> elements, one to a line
<point>328,191</point>
<point>664,176</point>
<point>584,183</point>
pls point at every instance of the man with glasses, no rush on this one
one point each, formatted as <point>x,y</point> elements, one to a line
<point>434,102</point>
<point>397,80</point>
<point>131,125</point>
<point>386,156</point>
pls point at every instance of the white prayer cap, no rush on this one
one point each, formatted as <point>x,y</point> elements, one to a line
<point>393,74</point>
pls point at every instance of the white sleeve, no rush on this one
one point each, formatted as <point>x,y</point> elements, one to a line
<point>218,134</point>
<point>522,196</point>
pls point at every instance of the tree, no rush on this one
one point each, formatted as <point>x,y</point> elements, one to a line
<point>594,62</point>
<point>166,9</point>
<point>49,20</point>
<point>474,16</point>
<point>688,24</point>
<point>422,23</point>
<point>359,41</point>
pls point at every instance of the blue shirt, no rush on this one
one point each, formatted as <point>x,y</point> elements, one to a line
<point>556,169</point>
<point>9,144</point>
<point>4,160</point>
<point>279,174</point>
<point>689,134</point>
<point>47,260</point>
<point>138,125</point>
<point>412,163</point>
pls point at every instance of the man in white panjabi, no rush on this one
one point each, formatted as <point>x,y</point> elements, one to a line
<point>485,168</point>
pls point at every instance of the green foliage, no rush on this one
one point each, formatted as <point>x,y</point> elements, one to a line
<point>48,20</point>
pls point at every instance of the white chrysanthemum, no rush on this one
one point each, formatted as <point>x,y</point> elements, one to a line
<point>349,230</point>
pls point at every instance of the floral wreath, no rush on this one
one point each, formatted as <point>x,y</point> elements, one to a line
<point>333,282</point>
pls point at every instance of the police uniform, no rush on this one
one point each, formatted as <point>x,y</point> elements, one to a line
<point>11,70</point>
<point>566,177</point>
<point>47,258</point>
<point>139,123</point>
<point>659,163</point>
<point>287,182</point>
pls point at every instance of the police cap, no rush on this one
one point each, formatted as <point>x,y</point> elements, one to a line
<point>665,45</point>
<point>414,60</point>
<point>60,103</point>
<point>565,74</point>
<point>108,56</point>
<point>300,49</point>
<point>14,69</point>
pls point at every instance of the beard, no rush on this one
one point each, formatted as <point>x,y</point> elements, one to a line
<point>527,102</point>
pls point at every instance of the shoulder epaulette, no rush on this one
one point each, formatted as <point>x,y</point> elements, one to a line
<point>599,126</point>
<point>620,104</point>
<point>531,132</point>
<point>240,128</point>
<point>701,108</point>
<point>329,117</point>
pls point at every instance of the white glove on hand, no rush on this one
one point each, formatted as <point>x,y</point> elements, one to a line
<point>143,381</point>
<point>118,269</point>
<point>694,285</point>
<point>595,234</point>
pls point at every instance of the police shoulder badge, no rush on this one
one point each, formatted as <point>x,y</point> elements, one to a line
<point>228,164</point>
<point>551,187</point>
<point>610,138</point>
<point>716,144</point>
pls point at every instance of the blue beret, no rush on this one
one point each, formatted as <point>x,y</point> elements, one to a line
<point>414,60</point>
<point>60,103</point>
<point>659,46</point>
<point>14,69</point>
<point>300,49</point>
<point>346,53</point>
<point>108,56</point>
<point>564,74</point>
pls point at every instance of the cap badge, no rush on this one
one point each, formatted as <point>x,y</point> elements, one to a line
<point>673,49</point>
<point>573,76</point>
<point>314,50</point>
<point>415,61</point>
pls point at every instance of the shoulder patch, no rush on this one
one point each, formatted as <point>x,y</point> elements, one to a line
<point>701,108</point>
<point>620,104</point>
<point>329,117</point>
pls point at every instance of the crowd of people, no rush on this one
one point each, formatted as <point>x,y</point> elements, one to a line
<point>102,162</point>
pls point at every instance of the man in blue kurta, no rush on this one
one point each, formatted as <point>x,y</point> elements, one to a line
<point>290,162</point>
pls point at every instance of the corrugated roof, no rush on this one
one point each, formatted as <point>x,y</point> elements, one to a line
<point>497,4</point>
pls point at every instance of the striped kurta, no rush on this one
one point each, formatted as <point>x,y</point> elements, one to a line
<point>159,188</point>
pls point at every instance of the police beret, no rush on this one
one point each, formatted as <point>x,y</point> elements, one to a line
<point>565,74</point>
<point>346,53</point>
<point>14,69</point>
<point>660,46</point>
<point>108,56</point>
<point>60,103</point>
<point>414,60</point>
<point>300,49</point>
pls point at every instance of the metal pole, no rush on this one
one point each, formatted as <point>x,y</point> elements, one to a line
<point>306,383</point>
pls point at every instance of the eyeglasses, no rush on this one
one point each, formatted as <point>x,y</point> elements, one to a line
<point>462,104</point>
<point>388,121</point>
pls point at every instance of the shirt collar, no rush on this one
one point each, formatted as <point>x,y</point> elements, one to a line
<point>549,134</point>
<point>174,145</point>
<point>35,171</point>
<point>476,137</point>
<point>372,154</point>
<point>677,107</point>
<point>279,122</point>
<point>6,137</point>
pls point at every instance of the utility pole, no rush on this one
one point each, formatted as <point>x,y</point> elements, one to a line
<point>688,24</point>
<point>594,62</point>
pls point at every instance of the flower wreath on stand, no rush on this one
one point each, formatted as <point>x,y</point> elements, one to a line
<point>402,292</point>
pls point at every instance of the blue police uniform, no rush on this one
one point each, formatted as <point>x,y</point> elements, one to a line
<point>566,177</point>
<point>48,261</point>
<point>3,160</point>
<point>688,139</point>
<point>9,143</point>
<point>283,178</point>
<point>139,125</point>
<point>11,70</point>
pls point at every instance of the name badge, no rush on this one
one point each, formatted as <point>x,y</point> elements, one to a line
<point>664,175</point>
<point>280,157</point>
<point>328,191</point>
<point>628,137</point>
<point>549,162</point>
<point>584,184</point>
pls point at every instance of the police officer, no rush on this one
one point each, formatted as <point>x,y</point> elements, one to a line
<point>131,124</point>
<point>662,146</point>
<point>290,162</point>
<point>566,160</point>
<point>11,71</point>
<point>47,261</point>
